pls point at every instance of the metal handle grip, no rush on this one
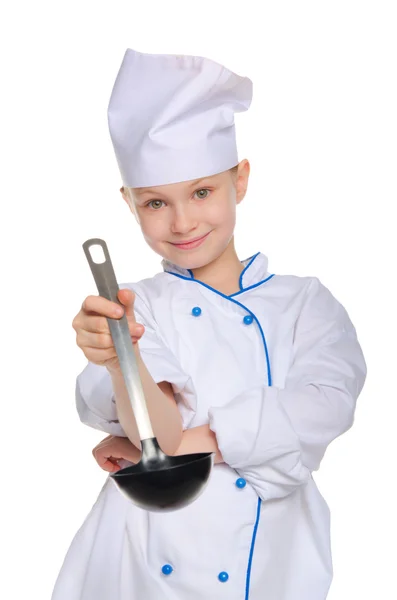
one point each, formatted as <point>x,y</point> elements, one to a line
<point>107,285</point>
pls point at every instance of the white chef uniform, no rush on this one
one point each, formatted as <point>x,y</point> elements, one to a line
<point>276,370</point>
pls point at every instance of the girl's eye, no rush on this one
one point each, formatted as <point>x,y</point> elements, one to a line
<point>153,202</point>
<point>202,194</point>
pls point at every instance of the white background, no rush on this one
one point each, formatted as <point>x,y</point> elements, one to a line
<point>321,137</point>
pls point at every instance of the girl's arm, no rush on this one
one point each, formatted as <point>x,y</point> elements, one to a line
<point>101,396</point>
<point>275,437</point>
<point>199,439</point>
<point>112,449</point>
<point>163,412</point>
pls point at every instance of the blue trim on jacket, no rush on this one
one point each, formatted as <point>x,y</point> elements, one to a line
<point>231,298</point>
<point>269,379</point>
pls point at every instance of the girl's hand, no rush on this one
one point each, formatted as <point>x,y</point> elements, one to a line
<point>112,449</point>
<point>92,329</point>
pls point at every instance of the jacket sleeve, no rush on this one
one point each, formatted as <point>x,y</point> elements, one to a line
<point>95,401</point>
<point>275,437</point>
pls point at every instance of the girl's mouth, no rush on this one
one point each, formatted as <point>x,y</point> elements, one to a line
<point>193,244</point>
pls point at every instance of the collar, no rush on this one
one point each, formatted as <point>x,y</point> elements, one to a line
<point>255,270</point>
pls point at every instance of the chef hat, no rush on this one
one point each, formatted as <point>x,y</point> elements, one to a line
<point>171,118</point>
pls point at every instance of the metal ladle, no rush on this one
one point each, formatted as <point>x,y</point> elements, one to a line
<point>159,482</point>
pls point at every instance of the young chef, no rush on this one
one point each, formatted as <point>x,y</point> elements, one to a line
<point>262,369</point>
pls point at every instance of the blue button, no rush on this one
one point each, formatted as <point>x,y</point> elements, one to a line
<point>248,320</point>
<point>223,576</point>
<point>167,570</point>
<point>196,311</point>
<point>241,483</point>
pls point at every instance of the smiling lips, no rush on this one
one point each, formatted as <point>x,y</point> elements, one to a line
<point>193,244</point>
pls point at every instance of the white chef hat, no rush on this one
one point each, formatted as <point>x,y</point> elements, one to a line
<point>171,118</point>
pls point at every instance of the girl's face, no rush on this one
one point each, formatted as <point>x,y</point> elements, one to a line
<point>172,217</point>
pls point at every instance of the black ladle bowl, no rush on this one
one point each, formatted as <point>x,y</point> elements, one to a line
<point>159,482</point>
<point>162,482</point>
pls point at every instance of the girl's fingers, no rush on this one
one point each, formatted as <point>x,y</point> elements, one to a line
<point>98,305</point>
<point>95,324</point>
<point>103,455</point>
<point>113,449</point>
<point>104,341</point>
<point>127,297</point>
<point>109,466</point>
<point>100,341</point>
<point>100,326</point>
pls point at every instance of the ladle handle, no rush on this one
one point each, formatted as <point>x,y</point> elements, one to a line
<point>107,285</point>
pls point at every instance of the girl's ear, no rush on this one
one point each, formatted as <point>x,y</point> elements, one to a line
<point>243,173</point>
<point>123,193</point>
<point>129,201</point>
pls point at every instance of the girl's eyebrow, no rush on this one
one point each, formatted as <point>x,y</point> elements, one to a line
<point>143,191</point>
<point>197,181</point>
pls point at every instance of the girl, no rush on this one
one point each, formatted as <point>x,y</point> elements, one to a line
<point>264,370</point>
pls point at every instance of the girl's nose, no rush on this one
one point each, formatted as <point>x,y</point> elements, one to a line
<point>183,221</point>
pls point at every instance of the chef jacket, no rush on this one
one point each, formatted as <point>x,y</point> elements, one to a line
<point>275,369</point>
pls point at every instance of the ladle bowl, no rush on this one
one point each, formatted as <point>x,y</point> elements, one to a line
<point>165,483</point>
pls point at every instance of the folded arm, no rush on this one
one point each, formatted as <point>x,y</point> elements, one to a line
<point>276,437</point>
